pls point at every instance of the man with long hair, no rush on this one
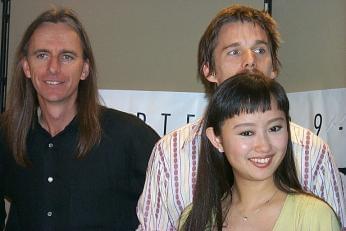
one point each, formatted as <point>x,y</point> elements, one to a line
<point>239,38</point>
<point>67,162</point>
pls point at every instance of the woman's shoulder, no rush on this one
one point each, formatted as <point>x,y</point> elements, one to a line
<point>308,202</point>
<point>311,210</point>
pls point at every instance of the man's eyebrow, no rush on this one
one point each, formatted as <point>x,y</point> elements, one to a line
<point>232,45</point>
<point>259,42</point>
<point>40,51</point>
<point>64,51</point>
<point>69,51</point>
<point>237,44</point>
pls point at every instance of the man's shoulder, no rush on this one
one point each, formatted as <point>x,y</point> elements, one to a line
<point>107,112</point>
<point>114,115</point>
<point>114,118</point>
<point>185,133</point>
<point>302,136</point>
<point>297,128</point>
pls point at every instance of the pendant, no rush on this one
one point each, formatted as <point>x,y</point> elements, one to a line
<point>245,218</point>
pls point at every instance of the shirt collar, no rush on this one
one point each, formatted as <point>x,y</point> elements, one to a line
<point>194,132</point>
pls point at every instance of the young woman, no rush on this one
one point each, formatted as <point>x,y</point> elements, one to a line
<point>246,175</point>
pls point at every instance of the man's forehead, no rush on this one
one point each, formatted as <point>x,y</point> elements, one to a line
<point>235,34</point>
<point>246,26</point>
<point>55,34</point>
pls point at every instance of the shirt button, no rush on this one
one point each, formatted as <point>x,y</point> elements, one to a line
<point>50,179</point>
<point>50,145</point>
<point>49,214</point>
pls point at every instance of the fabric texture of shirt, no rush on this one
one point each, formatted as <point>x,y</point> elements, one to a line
<point>299,212</point>
<point>98,192</point>
<point>172,171</point>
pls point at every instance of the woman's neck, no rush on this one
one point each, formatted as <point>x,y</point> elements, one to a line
<point>253,205</point>
<point>251,195</point>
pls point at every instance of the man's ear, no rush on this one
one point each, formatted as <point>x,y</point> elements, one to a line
<point>209,76</point>
<point>26,67</point>
<point>274,74</point>
<point>85,70</point>
<point>215,140</point>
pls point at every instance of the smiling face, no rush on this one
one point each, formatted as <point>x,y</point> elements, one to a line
<point>55,63</point>
<point>240,46</point>
<point>254,144</point>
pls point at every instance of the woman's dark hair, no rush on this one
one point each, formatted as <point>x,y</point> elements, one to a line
<point>244,93</point>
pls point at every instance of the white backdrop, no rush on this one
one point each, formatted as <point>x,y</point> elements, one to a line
<point>323,112</point>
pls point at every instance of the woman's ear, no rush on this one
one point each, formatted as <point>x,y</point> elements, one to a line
<point>215,140</point>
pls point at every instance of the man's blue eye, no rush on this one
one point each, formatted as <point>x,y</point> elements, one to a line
<point>260,50</point>
<point>41,56</point>
<point>233,52</point>
<point>67,58</point>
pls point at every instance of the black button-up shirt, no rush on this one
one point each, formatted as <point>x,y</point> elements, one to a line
<point>98,192</point>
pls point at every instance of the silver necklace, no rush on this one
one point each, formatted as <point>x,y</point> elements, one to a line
<point>245,218</point>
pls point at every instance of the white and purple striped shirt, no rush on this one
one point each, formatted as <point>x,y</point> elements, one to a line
<point>172,171</point>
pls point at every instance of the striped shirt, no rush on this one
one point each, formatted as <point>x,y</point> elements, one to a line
<point>172,173</point>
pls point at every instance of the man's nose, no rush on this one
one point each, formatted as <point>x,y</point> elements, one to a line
<point>249,60</point>
<point>54,65</point>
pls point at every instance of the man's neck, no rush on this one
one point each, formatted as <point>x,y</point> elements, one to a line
<point>54,118</point>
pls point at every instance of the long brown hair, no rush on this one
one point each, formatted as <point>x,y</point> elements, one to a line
<point>23,103</point>
<point>249,93</point>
